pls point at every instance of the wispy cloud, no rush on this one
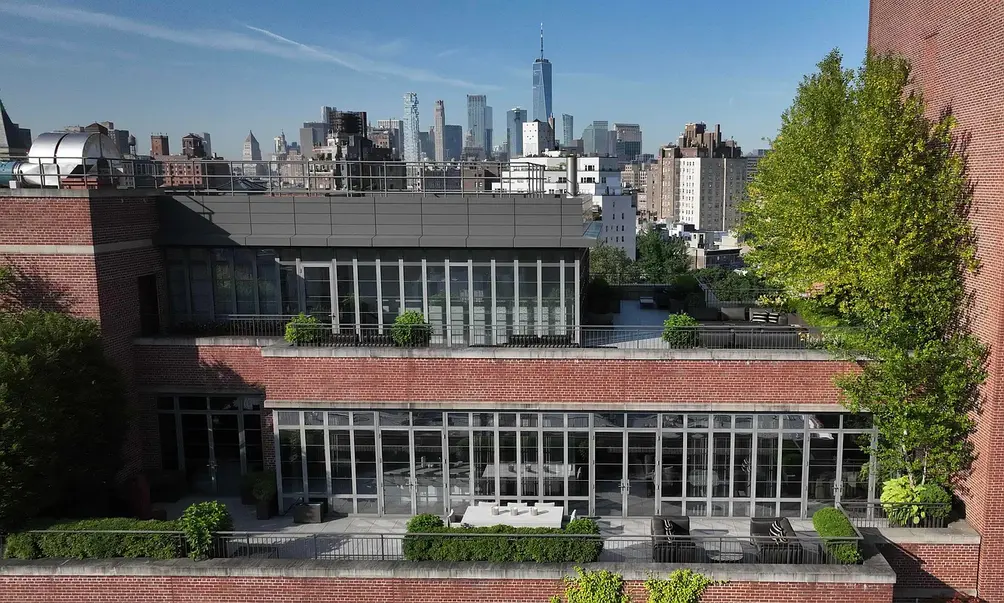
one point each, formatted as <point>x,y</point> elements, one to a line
<point>448,53</point>
<point>274,44</point>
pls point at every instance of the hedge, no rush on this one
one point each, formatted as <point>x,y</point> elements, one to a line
<point>831,523</point>
<point>63,543</point>
<point>442,543</point>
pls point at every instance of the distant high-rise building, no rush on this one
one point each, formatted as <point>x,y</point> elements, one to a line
<point>489,129</point>
<point>159,145</point>
<point>396,126</point>
<point>279,146</point>
<point>426,145</point>
<point>251,152</point>
<point>628,141</point>
<point>120,137</point>
<point>344,123</point>
<point>541,83</point>
<point>454,141</point>
<point>193,146</point>
<point>567,131</point>
<point>440,124</point>
<point>476,126</point>
<point>312,134</point>
<point>514,120</point>
<point>207,144</point>
<point>595,138</point>
<point>411,127</point>
<point>537,138</point>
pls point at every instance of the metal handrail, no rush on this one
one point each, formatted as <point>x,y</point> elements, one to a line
<point>283,176</point>
<point>874,514</point>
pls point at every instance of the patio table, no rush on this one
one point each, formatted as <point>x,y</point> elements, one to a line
<point>481,516</point>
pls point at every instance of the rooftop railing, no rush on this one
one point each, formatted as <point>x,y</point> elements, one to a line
<point>897,515</point>
<point>280,177</point>
<point>327,332</point>
<point>336,546</point>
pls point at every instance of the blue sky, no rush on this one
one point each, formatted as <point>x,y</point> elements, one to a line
<point>228,66</point>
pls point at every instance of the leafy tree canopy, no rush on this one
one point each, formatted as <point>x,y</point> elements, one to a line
<point>862,208</point>
<point>612,265</point>
<point>864,200</point>
<point>62,415</point>
<point>661,258</point>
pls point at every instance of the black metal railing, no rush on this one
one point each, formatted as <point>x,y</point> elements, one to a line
<point>325,333</point>
<point>897,515</point>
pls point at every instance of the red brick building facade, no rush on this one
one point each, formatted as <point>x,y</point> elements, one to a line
<point>958,63</point>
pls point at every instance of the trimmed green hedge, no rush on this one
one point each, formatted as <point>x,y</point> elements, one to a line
<point>451,545</point>
<point>832,523</point>
<point>89,545</point>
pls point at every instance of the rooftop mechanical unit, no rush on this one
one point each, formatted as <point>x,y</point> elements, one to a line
<point>66,160</point>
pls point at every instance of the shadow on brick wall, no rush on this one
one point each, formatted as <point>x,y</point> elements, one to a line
<point>23,289</point>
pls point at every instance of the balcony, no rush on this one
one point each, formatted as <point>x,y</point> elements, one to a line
<point>328,333</point>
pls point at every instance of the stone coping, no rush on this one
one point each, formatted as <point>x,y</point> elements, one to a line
<point>246,342</point>
<point>874,571</point>
<point>699,405</point>
<point>958,532</point>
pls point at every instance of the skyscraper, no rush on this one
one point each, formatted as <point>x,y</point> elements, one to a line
<point>454,140</point>
<point>411,127</point>
<point>567,130</point>
<point>514,120</point>
<point>476,125</point>
<point>440,124</point>
<point>628,141</point>
<point>541,83</point>
<point>279,145</point>
<point>251,152</point>
<point>489,130</point>
<point>595,138</point>
<point>207,144</point>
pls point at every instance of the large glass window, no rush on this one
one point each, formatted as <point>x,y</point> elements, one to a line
<point>597,463</point>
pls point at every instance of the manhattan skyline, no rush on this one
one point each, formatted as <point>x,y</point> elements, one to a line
<point>230,67</point>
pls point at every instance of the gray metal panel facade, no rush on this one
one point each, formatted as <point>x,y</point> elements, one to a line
<point>401,220</point>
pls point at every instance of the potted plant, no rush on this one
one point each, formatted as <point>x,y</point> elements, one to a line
<point>410,330</point>
<point>264,494</point>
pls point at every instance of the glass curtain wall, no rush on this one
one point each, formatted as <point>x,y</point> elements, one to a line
<point>476,297</point>
<point>608,464</point>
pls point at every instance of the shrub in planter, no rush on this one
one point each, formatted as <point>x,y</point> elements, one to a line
<point>301,329</point>
<point>906,504</point>
<point>200,522</point>
<point>679,331</point>
<point>70,540</point>
<point>496,544</point>
<point>410,330</point>
<point>834,528</point>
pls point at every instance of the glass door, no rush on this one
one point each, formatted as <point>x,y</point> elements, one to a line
<point>198,456</point>
<point>317,290</point>
<point>641,474</point>
<point>395,448</point>
<point>226,453</point>
<point>430,480</point>
<point>610,483</point>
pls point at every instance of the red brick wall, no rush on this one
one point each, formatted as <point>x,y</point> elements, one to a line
<point>958,59</point>
<point>72,277</point>
<point>933,565</point>
<point>487,380</point>
<point>80,589</point>
<point>45,221</point>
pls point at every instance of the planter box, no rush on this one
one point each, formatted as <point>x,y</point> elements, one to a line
<point>311,512</point>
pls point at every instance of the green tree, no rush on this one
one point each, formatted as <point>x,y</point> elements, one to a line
<point>612,265</point>
<point>661,258</point>
<point>62,416</point>
<point>862,206</point>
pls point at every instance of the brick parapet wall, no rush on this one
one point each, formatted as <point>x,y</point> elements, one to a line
<point>162,589</point>
<point>933,566</point>
<point>480,380</point>
<point>45,221</point>
<point>958,63</point>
